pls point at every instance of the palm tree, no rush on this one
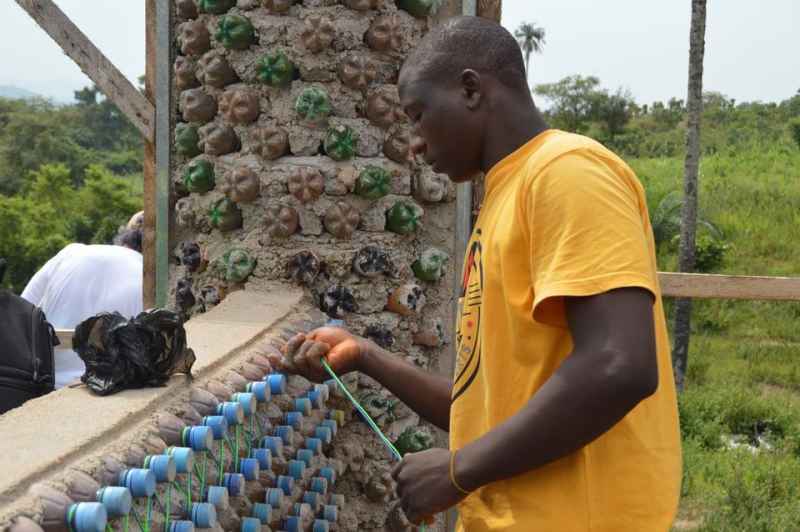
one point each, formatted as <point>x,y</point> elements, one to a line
<point>531,39</point>
<point>686,256</point>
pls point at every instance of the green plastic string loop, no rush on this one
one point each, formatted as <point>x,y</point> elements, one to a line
<point>366,416</point>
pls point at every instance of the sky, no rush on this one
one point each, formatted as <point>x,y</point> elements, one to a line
<point>641,45</point>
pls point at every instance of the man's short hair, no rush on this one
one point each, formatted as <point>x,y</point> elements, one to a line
<point>475,43</point>
<point>130,238</point>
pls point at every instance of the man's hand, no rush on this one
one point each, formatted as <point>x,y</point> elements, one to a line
<point>342,350</point>
<point>424,485</point>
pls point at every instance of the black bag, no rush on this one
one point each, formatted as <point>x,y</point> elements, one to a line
<point>121,353</point>
<point>26,350</point>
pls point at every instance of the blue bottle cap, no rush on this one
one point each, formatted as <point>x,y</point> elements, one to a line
<point>323,433</point>
<point>324,389</point>
<point>320,525</point>
<point>274,444</point>
<point>315,444</point>
<point>295,420</point>
<point>141,482</point>
<point>330,512</point>
<point>303,404</point>
<point>275,497</point>
<point>320,485</point>
<point>286,483</point>
<point>87,517</point>
<point>250,468</point>
<point>312,498</point>
<point>293,524</point>
<point>260,389</point>
<point>117,500</point>
<point>204,515</point>
<point>184,458</point>
<point>234,482</point>
<point>233,412</point>
<point>285,433</point>
<point>251,524</point>
<point>296,469</point>
<point>331,424</point>
<point>199,438</point>
<point>163,467</point>
<point>218,424</point>
<point>248,401</point>
<point>329,474</point>
<point>277,383</point>
<point>181,526</point>
<point>305,455</point>
<point>262,511</point>
<point>264,457</point>
<point>218,496</point>
<point>315,397</point>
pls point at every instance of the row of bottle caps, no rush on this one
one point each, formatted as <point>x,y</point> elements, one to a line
<point>285,502</point>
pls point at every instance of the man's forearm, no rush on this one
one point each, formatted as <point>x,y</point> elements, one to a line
<point>425,393</point>
<point>574,407</point>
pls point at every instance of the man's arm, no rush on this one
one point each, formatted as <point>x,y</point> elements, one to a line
<point>612,367</point>
<point>425,393</point>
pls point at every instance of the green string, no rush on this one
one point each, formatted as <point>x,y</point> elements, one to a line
<point>168,513</point>
<point>221,460</point>
<point>188,493</point>
<point>236,453</point>
<point>142,527</point>
<point>149,512</point>
<point>366,416</point>
<point>250,436</point>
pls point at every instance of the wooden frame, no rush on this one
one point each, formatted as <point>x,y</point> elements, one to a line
<point>704,286</point>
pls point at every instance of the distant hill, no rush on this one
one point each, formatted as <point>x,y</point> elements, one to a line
<point>15,93</point>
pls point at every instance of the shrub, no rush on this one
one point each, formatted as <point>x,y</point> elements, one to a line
<point>794,129</point>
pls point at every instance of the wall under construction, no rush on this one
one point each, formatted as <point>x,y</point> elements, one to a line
<point>290,165</point>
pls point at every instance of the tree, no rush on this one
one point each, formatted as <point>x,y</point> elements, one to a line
<point>573,100</point>
<point>613,111</point>
<point>531,39</point>
<point>686,259</point>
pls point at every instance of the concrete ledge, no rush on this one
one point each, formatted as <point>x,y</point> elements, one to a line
<point>50,434</point>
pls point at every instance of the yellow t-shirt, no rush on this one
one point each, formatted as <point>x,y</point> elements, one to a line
<point>562,216</point>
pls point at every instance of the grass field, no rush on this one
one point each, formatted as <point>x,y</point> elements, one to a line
<point>743,380</point>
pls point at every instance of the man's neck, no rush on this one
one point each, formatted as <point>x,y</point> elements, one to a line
<point>515,125</point>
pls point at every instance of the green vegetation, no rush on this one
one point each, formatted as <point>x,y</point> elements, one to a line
<point>743,381</point>
<point>67,174</point>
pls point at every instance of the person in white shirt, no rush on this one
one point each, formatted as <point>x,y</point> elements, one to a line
<point>82,281</point>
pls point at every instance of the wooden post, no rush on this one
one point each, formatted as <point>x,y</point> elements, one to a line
<point>149,236</point>
<point>93,63</point>
<point>491,9</point>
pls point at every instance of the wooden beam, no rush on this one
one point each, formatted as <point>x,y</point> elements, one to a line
<point>149,173</point>
<point>705,286</point>
<point>93,63</point>
<point>491,9</point>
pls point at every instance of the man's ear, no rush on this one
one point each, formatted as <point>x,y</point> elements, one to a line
<point>471,88</point>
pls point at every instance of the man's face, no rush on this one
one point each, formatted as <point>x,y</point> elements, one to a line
<point>446,133</point>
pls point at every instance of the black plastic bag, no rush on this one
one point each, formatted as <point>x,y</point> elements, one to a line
<point>121,354</point>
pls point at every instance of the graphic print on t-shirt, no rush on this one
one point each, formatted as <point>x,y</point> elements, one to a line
<point>468,356</point>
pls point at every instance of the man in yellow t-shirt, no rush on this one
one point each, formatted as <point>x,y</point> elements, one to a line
<point>562,411</point>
